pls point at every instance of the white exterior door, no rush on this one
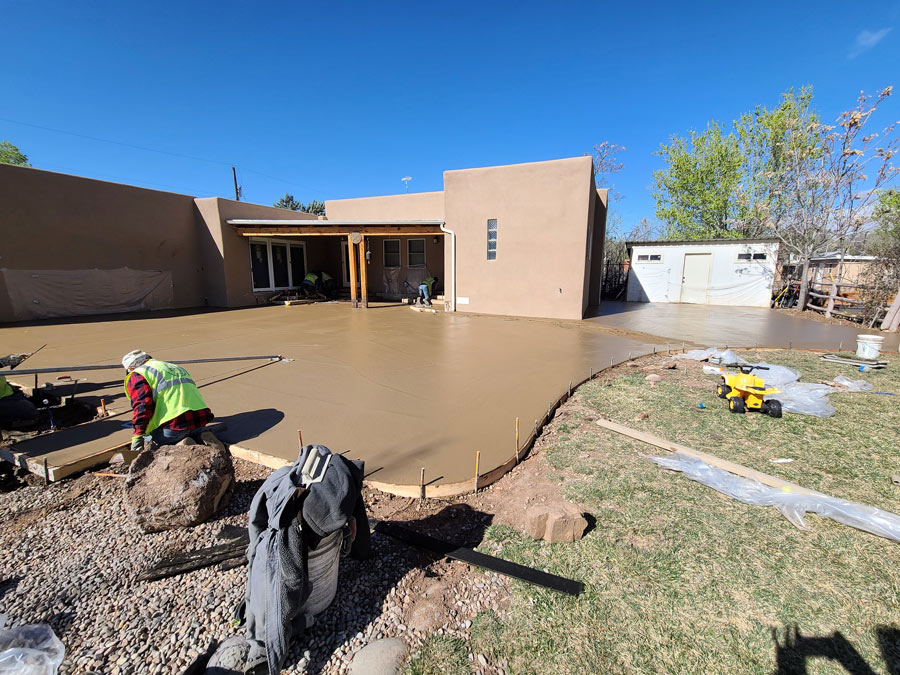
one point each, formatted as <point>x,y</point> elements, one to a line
<point>695,278</point>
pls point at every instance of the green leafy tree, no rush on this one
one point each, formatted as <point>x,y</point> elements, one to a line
<point>10,154</point>
<point>696,193</point>
<point>881,280</point>
<point>288,202</point>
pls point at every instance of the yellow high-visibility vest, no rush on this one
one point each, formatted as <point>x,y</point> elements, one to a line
<point>5,388</point>
<point>174,392</point>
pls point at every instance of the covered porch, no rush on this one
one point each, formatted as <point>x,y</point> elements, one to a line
<point>370,259</point>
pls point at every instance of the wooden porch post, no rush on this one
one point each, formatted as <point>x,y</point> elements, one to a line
<point>351,253</point>
<point>363,273</point>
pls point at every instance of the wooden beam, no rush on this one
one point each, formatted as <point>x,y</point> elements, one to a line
<point>351,253</point>
<point>372,231</point>
<point>712,460</point>
<point>363,273</point>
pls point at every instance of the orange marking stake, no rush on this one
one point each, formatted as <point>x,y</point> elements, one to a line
<point>300,434</point>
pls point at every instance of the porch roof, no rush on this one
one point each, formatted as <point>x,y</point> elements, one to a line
<point>318,228</point>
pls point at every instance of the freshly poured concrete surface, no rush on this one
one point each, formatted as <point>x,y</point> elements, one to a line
<point>734,326</point>
<point>398,388</point>
<point>401,389</point>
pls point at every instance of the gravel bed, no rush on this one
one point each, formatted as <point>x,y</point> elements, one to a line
<point>69,557</point>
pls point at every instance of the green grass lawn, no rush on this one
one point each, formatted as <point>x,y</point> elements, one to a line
<point>681,579</point>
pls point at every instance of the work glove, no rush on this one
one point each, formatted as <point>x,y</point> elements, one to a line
<point>12,360</point>
<point>137,444</point>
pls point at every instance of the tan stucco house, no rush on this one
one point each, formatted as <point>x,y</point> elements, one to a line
<point>523,240</point>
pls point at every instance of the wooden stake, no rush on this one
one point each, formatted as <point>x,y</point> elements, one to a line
<point>517,440</point>
<point>712,460</point>
<point>300,434</point>
<point>477,460</point>
<point>570,388</point>
<point>422,485</point>
<point>46,473</point>
<point>841,347</point>
<point>103,407</point>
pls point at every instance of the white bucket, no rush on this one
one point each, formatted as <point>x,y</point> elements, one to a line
<point>869,346</point>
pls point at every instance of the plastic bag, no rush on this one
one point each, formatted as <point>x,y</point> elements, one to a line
<point>712,354</point>
<point>792,504</point>
<point>30,650</point>
<point>852,386</point>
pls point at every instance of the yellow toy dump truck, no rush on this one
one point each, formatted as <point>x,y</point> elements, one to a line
<point>745,391</point>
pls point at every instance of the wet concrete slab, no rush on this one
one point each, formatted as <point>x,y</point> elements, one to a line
<point>400,389</point>
<point>713,326</point>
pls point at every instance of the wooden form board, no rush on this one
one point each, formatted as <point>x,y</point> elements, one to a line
<point>712,460</point>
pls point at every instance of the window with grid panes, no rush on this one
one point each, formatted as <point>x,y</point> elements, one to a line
<point>492,239</point>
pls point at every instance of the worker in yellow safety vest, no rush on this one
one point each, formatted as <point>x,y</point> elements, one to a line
<point>166,405</point>
<point>15,408</point>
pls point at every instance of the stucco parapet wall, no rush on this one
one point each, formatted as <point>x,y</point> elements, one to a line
<point>412,206</point>
<point>586,163</point>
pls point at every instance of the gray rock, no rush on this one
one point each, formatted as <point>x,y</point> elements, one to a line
<point>178,486</point>
<point>381,657</point>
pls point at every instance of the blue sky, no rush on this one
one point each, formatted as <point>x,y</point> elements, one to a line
<point>343,99</point>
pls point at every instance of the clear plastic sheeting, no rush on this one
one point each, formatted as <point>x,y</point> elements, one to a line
<point>30,650</point>
<point>793,505</point>
<point>802,398</point>
<point>852,386</point>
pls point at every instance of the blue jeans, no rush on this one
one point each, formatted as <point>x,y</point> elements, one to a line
<point>162,436</point>
<point>423,292</point>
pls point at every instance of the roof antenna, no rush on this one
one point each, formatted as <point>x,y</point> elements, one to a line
<point>406,180</point>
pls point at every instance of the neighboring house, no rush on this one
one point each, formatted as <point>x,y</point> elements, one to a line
<point>828,267</point>
<point>736,272</point>
<point>523,239</point>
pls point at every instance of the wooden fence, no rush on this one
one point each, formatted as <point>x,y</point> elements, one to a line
<point>836,302</point>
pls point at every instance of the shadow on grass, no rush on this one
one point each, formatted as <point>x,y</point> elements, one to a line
<point>794,652</point>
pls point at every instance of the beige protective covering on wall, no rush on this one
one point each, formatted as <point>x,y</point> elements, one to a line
<point>43,294</point>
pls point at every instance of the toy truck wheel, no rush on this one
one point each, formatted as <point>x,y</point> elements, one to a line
<point>722,390</point>
<point>773,408</point>
<point>736,405</point>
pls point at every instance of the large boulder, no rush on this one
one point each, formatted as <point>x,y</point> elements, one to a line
<point>179,485</point>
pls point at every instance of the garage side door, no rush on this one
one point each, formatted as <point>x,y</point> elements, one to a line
<point>695,278</point>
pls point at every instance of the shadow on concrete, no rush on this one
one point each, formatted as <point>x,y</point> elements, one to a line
<point>793,653</point>
<point>250,424</point>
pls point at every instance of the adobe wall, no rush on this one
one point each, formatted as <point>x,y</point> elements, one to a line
<point>413,206</point>
<point>226,254</point>
<point>543,211</point>
<point>51,221</point>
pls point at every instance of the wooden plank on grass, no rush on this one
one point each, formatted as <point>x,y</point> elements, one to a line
<point>712,460</point>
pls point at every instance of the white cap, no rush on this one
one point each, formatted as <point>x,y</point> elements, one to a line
<point>135,358</point>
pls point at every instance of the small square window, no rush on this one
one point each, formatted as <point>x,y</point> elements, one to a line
<point>643,258</point>
<point>743,256</point>
<point>655,257</point>
<point>759,256</point>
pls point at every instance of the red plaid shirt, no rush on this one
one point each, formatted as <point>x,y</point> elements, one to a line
<point>143,406</point>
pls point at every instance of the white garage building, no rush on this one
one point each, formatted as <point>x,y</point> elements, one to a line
<point>736,272</point>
